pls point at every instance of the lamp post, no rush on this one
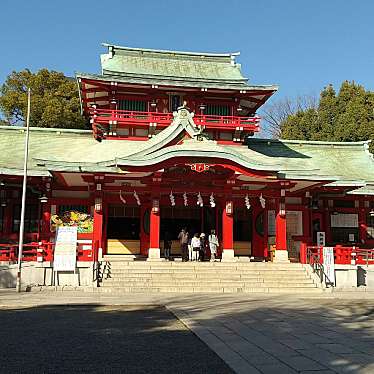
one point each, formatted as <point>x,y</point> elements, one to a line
<point>22,224</point>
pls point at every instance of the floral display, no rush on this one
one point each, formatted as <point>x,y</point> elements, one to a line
<point>83,221</point>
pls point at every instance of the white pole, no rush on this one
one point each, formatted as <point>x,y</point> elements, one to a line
<point>22,224</point>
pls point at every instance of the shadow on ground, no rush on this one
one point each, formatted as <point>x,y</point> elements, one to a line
<point>285,334</point>
<point>93,338</point>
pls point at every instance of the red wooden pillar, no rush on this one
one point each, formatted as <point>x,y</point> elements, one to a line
<point>154,240</point>
<point>97,238</point>
<point>280,232</point>
<point>228,232</point>
<point>281,253</point>
<point>362,226</point>
<point>307,230</point>
<point>45,221</point>
<point>144,232</point>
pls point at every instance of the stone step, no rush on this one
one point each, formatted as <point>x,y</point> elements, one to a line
<point>187,289</point>
<point>212,265</point>
<point>207,285</point>
<point>213,278</point>
<point>203,271</point>
<point>118,272</point>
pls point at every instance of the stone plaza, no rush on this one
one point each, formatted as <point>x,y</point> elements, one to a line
<point>277,333</point>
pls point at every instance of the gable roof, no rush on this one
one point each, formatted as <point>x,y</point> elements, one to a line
<point>174,68</point>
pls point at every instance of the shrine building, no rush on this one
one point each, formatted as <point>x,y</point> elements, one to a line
<point>173,144</point>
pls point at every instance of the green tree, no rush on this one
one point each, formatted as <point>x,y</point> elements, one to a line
<point>346,116</point>
<point>54,99</point>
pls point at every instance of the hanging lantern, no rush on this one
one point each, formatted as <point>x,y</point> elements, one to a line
<point>155,205</point>
<point>185,199</point>
<point>43,199</point>
<point>229,208</point>
<point>262,201</point>
<point>98,204</point>
<point>211,200</point>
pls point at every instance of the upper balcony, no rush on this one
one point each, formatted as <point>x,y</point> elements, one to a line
<point>124,123</point>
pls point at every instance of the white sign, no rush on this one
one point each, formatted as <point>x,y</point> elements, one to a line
<point>321,238</point>
<point>65,254</point>
<point>329,263</point>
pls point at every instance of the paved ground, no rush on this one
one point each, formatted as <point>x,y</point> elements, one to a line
<point>101,339</point>
<point>252,334</point>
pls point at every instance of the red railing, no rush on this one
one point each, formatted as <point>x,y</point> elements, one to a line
<point>39,252</point>
<point>108,117</point>
<point>342,255</point>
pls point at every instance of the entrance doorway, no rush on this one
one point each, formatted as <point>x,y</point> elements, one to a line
<point>123,230</point>
<point>173,219</point>
<point>242,232</point>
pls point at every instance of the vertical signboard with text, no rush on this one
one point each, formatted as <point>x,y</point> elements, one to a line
<point>329,264</point>
<point>65,254</point>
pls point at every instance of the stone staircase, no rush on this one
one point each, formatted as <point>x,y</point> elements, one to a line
<point>207,277</point>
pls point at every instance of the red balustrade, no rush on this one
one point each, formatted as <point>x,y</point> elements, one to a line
<point>108,117</point>
<point>39,252</point>
<point>342,255</point>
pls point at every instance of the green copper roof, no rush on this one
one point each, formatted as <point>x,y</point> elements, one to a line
<point>365,190</point>
<point>76,151</point>
<point>172,68</point>
<point>170,64</point>
<point>178,82</point>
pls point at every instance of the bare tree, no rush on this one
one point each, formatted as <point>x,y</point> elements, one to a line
<point>275,114</point>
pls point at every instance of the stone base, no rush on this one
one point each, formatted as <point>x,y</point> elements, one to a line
<point>281,255</point>
<point>154,254</point>
<point>228,255</point>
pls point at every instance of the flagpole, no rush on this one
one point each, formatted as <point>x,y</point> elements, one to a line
<point>22,224</point>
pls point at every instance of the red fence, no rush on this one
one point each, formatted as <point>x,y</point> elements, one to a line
<point>125,117</point>
<point>342,255</point>
<point>40,252</point>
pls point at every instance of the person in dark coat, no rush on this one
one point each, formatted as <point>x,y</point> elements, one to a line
<point>167,246</point>
<point>183,240</point>
<point>203,245</point>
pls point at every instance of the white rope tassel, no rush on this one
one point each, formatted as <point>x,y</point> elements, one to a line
<point>137,198</point>
<point>185,199</point>
<point>172,198</point>
<point>247,203</point>
<point>211,200</point>
<point>200,200</point>
<point>122,198</point>
<point>262,201</point>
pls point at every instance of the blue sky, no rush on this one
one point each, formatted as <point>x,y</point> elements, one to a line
<point>300,45</point>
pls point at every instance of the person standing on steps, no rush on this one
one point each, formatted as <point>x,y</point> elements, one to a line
<point>195,244</point>
<point>213,244</point>
<point>167,246</point>
<point>183,240</point>
<point>203,243</point>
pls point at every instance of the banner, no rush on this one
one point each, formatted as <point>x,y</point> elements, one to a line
<point>329,263</point>
<point>65,255</point>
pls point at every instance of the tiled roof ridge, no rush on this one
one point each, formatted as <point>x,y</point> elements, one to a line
<point>171,52</point>
<point>113,73</point>
<point>307,142</point>
<point>222,83</point>
<point>48,130</point>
